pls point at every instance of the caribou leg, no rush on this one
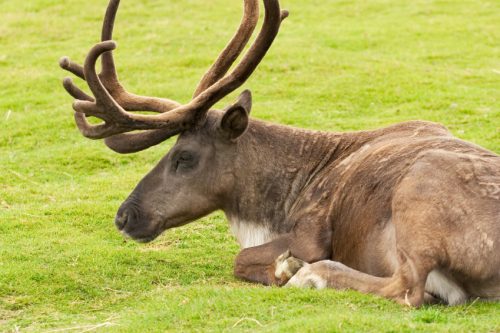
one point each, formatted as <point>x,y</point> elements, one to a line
<point>404,286</point>
<point>258,264</point>
<point>274,263</point>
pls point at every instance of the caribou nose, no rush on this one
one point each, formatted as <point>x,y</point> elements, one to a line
<point>121,220</point>
<point>124,216</point>
<point>127,216</point>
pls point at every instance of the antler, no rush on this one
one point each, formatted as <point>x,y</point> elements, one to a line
<point>112,101</point>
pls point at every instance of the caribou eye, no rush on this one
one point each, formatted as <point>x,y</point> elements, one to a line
<point>184,161</point>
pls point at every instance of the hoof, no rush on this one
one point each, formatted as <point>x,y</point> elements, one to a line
<point>307,278</point>
<point>287,266</point>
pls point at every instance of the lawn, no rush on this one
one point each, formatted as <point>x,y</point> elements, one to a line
<point>337,65</point>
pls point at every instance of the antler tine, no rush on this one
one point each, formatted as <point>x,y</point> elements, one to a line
<point>251,60</point>
<point>95,84</point>
<point>90,131</point>
<point>108,63</point>
<point>72,67</point>
<point>74,91</point>
<point>234,48</point>
<point>272,22</point>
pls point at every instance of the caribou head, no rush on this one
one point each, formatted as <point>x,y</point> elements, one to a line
<point>193,179</point>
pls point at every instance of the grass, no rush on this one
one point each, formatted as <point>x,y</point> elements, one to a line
<point>337,65</point>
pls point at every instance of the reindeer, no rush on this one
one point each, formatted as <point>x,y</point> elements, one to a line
<point>406,212</point>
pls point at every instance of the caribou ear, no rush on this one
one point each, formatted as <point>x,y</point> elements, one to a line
<point>234,122</point>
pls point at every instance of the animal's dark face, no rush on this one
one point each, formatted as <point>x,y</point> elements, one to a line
<point>191,181</point>
<point>192,178</point>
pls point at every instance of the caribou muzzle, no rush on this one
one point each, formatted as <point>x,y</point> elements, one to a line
<point>135,224</point>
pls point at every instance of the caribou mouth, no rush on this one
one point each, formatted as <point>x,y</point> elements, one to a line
<point>136,230</point>
<point>145,240</point>
<point>139,239</point>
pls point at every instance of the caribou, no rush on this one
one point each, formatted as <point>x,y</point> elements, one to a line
<point>407,212</point>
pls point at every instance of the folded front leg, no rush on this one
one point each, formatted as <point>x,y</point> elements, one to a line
<point>274,263</point>
<point>258,264</point>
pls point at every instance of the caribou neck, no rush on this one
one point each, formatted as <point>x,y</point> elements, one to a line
<point>274,165</point>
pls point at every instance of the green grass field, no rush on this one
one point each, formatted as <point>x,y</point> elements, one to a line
<point>337,65</point>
